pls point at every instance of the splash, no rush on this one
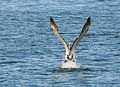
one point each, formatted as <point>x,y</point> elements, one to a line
<point>69,64</point>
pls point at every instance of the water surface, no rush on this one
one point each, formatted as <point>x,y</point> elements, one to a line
<point>31,55</point>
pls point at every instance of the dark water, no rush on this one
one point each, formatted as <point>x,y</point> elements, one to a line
<point>31,55</point>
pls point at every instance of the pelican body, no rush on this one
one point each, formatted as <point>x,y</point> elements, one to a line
<point>69,61</point>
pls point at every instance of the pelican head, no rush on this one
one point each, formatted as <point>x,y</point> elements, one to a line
<point>70,54</point>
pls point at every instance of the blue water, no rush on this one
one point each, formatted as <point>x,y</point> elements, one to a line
<point>31,55</point>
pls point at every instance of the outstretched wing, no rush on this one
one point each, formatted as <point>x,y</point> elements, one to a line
<point>83,32</point>
<point>55,30</point>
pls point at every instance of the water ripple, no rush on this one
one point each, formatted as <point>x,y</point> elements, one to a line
<point>31,55</point>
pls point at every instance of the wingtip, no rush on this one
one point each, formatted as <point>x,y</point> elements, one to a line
<point>51,19</point>
<point>89,19</point>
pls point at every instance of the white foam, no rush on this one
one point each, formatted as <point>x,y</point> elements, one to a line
<point>69,64</point>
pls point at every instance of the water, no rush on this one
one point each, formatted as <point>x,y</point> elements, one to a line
<point>31,55</point>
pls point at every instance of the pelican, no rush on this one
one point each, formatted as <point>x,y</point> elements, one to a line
<point>69,61</point>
